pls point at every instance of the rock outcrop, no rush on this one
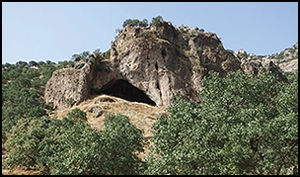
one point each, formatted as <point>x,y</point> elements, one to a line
<point>285,61</point>
<point>160,61</point>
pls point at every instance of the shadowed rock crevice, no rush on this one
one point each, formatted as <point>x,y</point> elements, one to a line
<point>123,89</point>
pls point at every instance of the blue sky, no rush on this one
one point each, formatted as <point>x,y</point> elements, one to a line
<point>55,31</point>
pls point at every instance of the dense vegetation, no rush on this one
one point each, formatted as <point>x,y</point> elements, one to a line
<point>246,124</point>
<point>69,146</point>
<point>23,87</point>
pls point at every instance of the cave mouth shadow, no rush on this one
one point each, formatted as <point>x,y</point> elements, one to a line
<point>123,89</point>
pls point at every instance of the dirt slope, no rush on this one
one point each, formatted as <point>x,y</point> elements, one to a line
<point>140,114</point>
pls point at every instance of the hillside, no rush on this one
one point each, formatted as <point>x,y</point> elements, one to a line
<point>152,65</point>
<point>97,107</point>
<point>286,59</point>
<point>145,68</point>
<point>140,114</point>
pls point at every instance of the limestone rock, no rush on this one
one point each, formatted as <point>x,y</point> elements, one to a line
<point>254,66</point>
<point>156,63</point>
<point>96,110</point>
<point>286,60</point>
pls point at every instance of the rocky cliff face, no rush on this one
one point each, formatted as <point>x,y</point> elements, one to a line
<point>286,60</point>
<point>159,62</point>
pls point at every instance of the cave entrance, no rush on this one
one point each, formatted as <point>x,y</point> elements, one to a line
<point>123,89</point>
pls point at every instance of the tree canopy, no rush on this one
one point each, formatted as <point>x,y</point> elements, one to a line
<point>247,125</point>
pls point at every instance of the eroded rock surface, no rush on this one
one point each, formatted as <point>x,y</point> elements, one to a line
<point>161,61</point>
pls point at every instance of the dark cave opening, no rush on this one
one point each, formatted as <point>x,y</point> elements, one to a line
<point>123,89</point>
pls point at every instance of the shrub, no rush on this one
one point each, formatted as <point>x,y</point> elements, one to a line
<point>199,51</point>
<point>77,115</point>
<point>70,102</point>
<point>135,22</point>
<point>157,20</point>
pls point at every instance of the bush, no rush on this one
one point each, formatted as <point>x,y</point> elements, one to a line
<point>70,102</point>
<point>199,51</point>
<point>156,20</point>
<point>247,125</point>
<point>135,22</point>
<point>77,115</point>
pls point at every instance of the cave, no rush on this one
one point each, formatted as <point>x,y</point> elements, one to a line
<point>123,89</point>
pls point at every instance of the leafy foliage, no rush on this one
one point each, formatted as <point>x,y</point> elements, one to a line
<point>123,140</point>
<point>135,22</point>
<point>157,20</point>
<point>65,64</point>
<point>83,55</point>
<point>24,142</point>
<point>22,103</point>
<point>87,56</point>
<point>144,23</point>
<point>247,125</point>
<point>74,149</point>
<point>68,147</point>
<point>70,102</point>
<point>77,115</point>
<point>22,91</point>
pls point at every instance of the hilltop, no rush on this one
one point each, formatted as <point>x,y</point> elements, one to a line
<point>151,65</point>
<point>145,69</point>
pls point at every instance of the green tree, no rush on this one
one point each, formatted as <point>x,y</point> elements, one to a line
<point>143,23</point>
<point>87,152</point>
<point>85,54</point>
<point>156,20</point>
<point>31,73</point>
<point>22,64</point>
<point>127,22</point>
<point>97,55</point>
<point>201,30</point>
<point>97,52</point>
<point>247,124</point>
<point>24,142</point>
<point>33,63</point>
<point>22,93</point>
<point>41,63</point>
<point>76,57</point>
<point>65,64</point>
<point>46,73</point>
<point>135,22</point>
<point>68,147</point>
<point>76,149</point>
<point>81,56</point>
<point>18,103</point>
<point>122,143</point>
